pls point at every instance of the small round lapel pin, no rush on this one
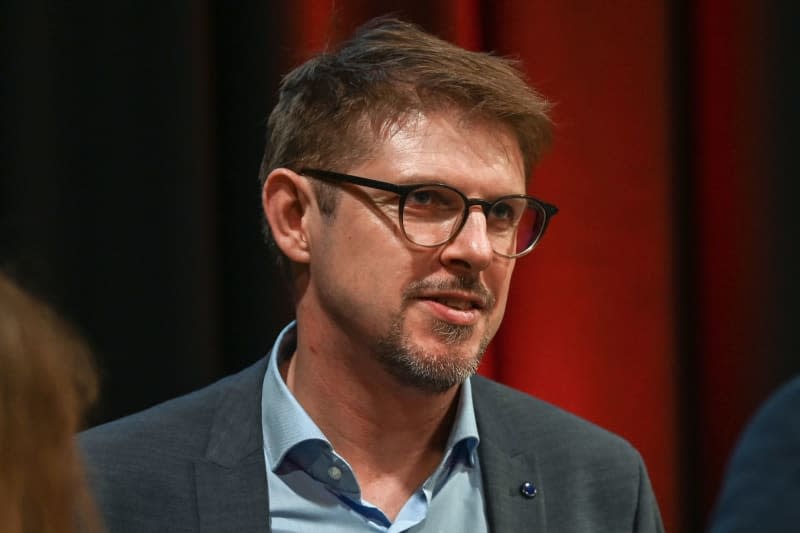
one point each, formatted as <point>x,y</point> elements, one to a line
<point>528,490</point>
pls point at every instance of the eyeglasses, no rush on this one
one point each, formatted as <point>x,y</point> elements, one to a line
<point>432,214</point>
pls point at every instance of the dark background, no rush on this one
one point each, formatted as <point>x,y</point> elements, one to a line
<point>132,134</point>
<point>130,197</point>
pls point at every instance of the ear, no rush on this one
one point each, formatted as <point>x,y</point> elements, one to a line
<point>285,200</point>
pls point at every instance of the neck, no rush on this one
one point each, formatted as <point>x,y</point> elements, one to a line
<point>380,426</point>
<point>355,396</point>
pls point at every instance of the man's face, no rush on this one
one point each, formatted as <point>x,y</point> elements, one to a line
<point>424,314</point>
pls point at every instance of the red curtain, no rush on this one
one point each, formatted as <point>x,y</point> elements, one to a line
<point>593,318</point>
<point>732,190</point>
<point>590,318</point>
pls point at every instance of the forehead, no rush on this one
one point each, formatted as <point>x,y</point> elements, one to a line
<point>477,155</point>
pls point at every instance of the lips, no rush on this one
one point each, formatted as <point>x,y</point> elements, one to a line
<point>459,312</point>
<point>462,308</point>
<point>462,299</point>
<point>458,303</point>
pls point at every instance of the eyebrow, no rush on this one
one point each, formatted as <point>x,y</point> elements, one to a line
<point>426,179</point>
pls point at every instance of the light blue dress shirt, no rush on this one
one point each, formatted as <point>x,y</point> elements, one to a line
<point>313,489</point>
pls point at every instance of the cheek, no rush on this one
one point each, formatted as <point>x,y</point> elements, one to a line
<point>498,280</point>
<point>376,264</point>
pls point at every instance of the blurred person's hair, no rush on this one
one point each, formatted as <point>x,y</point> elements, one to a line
<point>332,108</point>
<point>47,382</point>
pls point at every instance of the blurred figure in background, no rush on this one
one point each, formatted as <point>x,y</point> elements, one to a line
<point>762,486</point>
<point>46,383</point>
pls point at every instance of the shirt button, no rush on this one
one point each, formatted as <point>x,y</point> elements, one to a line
<point>335,473</point>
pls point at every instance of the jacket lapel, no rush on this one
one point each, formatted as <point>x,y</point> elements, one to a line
<point>506,466</point>
<point>231,480</point>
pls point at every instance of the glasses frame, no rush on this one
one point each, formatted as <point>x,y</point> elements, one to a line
<point>548,210</point>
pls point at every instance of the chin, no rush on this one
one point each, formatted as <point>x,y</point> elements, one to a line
<point>444,359</point>
<point>431,379</point>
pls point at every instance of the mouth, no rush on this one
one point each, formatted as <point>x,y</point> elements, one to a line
<point>460,302</point>
<point>460,309</point>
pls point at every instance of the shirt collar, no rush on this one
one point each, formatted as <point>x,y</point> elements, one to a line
<point>285,424</point>
<point>465,428</point>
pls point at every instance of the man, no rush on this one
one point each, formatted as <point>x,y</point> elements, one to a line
<point>394,186</point>
<point>762,484</point>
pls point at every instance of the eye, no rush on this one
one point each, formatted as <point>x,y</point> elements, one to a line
<point>434,198</point>
<point>421,197</point>
<point>503,211</point>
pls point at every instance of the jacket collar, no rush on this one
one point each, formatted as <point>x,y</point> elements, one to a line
<point>231,479</point>
<point>506,464</point>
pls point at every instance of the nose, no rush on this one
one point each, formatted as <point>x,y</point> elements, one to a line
<point>470,250</point>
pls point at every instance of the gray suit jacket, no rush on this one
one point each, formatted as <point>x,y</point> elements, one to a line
<point>196,463</point>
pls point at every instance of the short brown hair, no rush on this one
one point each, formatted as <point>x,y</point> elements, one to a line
<point>332,108</point>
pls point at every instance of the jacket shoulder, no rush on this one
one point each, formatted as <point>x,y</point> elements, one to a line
<point>553,429</point>
<point>174,427</point>
<point>142,467</point>
<point>591,479</point>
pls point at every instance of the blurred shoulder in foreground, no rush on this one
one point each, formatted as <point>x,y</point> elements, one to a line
<point>46,383</point>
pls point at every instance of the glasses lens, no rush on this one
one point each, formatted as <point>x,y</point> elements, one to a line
<point>431,214</point>
<point>530,227</point>
<point>514,225</point>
